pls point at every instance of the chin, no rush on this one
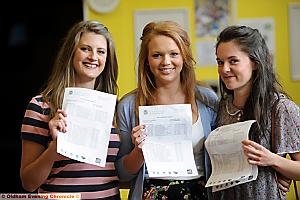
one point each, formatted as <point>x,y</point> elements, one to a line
<point>230,86</point>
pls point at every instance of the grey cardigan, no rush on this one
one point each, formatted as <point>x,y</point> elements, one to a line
<point>207,103</point>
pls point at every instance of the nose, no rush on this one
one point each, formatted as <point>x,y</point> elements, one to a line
<point>225,68</point>
<point>166,60</point>
<point>93,55</point>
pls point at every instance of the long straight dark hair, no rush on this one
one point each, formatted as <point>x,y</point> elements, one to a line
<point>265,84</point>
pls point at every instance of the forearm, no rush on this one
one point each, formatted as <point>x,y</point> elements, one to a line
<point>288,168</point>
<point>134,160</point>
<point>34,174</point>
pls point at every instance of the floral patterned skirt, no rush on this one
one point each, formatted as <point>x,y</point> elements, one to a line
<point>158,189</point>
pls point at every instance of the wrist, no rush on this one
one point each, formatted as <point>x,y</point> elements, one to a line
<point>138,151</point>
<point>52,146</point>
<point>275,160</point>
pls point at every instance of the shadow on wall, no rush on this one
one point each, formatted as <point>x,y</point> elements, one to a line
<point>31,35</point>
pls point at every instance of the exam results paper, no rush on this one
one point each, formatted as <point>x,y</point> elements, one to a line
<point>168,149</point>
<point>230,166</point>
<point>89,118</point>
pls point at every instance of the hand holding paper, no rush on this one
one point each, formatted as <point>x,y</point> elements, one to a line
<point>90,115</point>
<point>168,149</point>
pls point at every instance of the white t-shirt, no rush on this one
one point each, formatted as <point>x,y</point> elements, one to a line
<point>198,146</point>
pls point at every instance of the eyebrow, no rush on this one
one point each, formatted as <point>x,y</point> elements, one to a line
<point>230,57</point>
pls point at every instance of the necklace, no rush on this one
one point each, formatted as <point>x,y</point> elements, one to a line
<point>239,113</point>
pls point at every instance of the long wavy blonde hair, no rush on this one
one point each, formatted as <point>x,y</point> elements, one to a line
<point>63,73</point>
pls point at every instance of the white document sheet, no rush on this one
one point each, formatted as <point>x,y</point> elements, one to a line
<point>168,149</point>
<point>229,163</point>
<point>89,119</point>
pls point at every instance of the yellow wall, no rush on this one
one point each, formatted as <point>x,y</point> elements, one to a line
<point>121,24</point>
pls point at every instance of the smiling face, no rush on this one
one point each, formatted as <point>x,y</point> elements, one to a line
<point>234,67</point>
<point>165,60</point>
<point>89,59</point>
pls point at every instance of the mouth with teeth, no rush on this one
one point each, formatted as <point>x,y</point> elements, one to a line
<point>167,70</point>
<point>90,66</point>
